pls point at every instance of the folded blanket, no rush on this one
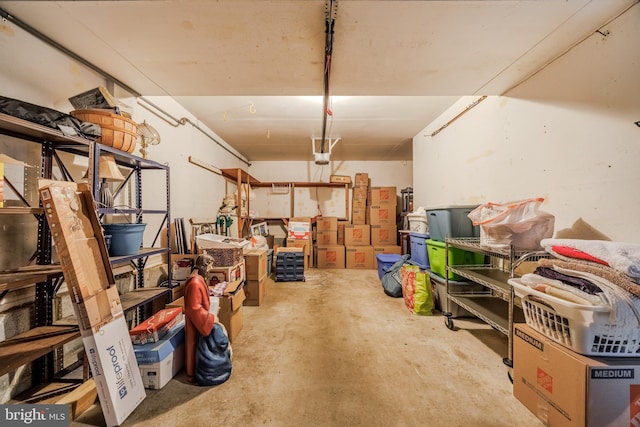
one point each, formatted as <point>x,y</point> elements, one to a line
<point>613,276</point>
<point>623,257</point>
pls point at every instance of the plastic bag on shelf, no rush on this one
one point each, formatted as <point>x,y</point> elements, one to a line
<point>520,224</point>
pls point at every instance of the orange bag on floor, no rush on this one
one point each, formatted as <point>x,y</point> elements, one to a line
<point>416,290</point>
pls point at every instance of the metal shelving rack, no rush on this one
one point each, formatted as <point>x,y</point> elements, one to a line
<point>496,305</point>
<point>47,335</point>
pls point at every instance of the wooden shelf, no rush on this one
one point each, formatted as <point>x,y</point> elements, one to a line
<point>302,184</point>
<point>141,296</point>
<point>28,276</point>
<point>19,210</point>
<point>31,345</point>
<point>238,175</point>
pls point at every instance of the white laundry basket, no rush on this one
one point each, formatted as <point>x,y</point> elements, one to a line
<point>583,328</point>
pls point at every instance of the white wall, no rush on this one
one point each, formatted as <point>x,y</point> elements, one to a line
<point>567,134</point>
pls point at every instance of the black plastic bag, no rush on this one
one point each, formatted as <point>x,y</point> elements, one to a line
<point>213,357</point>
<point>391,283</point>
<point>48,117</point>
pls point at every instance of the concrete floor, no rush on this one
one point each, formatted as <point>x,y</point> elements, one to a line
<point>336,351</point>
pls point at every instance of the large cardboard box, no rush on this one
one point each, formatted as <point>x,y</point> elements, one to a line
<point>255,261</point>
<point>327,223</point>
<point>157,375</point>
<point>331,256</point>
<point>161,361</point>
<point>386,234</point>
<point>355,235</point>
<point>307,248</point>
<point>362,179</point>
<point>227,274</point>
<point>382,196</point>
<point>359,257</point>
<point>255,290</point>
<point>342,179</point>
<point>299,228</point>
<point>382,215</point>
<point>360,193</point>
<point>230,312</point>
<point>84,259</point>
<point>327,238</point>
<point>114,369</point>
<point>359,216</point>
<point>564,388</point>
<point>359,204</point>
<point>340,238</point>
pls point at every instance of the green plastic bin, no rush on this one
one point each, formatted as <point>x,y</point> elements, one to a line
<point>457,256</point>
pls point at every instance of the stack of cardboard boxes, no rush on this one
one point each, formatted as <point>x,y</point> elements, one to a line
<point>372,229</point>
<point>330,253</point>
<point>255,276</point>
<point>299,235</point>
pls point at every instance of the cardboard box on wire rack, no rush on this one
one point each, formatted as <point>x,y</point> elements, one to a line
<point>80,245</point>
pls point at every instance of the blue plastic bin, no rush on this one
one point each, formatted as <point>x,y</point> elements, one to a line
<point>452,222</point>
<point>385,261</point>
<point>419,252</point>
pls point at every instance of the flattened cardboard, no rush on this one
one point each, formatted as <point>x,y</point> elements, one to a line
<point>79,241</point>
<point>114,369</point>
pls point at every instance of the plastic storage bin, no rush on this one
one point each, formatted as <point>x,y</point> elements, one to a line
<point>452,222</point>
<point>457,256</point>
<point>385,261</point>
<point>418,222</point>
<point>419,254</point>
<point>443,303</point>
<point>290,267</point>
<point>584,329</point>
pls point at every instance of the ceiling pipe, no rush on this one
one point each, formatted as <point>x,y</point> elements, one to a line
<point>330,14</point>
<point>29,29</point>
<point>109,78</point>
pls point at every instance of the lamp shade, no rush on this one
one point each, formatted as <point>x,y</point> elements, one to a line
<point>108,169</point>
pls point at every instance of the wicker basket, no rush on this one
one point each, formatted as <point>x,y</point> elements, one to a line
<point>117,131</point>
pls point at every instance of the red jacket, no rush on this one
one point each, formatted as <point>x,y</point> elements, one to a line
<point>199,321</point>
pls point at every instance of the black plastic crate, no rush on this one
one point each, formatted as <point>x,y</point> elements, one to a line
<point>289,277</point>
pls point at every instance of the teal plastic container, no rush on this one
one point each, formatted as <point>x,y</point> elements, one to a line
<point>126,239</point>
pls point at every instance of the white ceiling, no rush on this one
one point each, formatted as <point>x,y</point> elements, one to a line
<point>252,71</point>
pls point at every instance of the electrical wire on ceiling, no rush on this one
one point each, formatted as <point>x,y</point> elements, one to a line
<point>330,14</point>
